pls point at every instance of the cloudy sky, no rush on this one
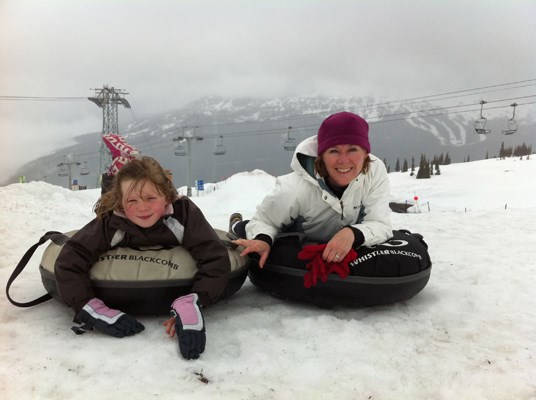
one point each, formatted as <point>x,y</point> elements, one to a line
<point>167,53</point>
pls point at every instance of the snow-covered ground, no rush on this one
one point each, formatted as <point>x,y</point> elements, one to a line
<point>470,334</point>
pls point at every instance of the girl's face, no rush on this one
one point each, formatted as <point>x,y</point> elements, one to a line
<point>343,163</point>
<point>142,203</point>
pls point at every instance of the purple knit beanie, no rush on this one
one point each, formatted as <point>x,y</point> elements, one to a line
<point>343,128</point>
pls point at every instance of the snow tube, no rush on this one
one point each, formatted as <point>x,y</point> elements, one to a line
<point>153,279</point>
<point>387,273</point>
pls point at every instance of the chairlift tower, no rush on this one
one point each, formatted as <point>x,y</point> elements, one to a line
<point>108,98</point>
<point>187,136</point>
<point>65,170</point>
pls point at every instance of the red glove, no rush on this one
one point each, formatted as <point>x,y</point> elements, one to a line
<point>310,251</point>
<point>318,268</point>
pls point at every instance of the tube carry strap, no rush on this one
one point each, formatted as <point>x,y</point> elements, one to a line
<point>56,237</point>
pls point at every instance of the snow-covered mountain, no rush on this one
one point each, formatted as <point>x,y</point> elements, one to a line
<point>253,132</point>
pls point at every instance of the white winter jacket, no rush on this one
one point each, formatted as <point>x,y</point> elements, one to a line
<point>302,202</point>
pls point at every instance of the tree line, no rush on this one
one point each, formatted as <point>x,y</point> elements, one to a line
<point>428,167</point>
<point>518,151</point>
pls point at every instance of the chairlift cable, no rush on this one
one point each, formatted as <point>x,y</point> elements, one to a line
<point>384,118</point>
<point>41,98</point>
<point>164,143</point>
<point>460,91</point>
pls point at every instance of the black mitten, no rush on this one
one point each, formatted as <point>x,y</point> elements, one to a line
<point>96,315</point>
<point>189,325</point>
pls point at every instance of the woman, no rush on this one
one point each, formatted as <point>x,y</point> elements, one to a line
<point>338,194</point>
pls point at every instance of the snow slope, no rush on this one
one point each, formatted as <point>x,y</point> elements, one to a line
<point>470,334</point>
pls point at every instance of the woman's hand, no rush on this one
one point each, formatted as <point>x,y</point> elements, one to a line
<point>339,245</point>
<point>254,246</point>
<point>170,326</point>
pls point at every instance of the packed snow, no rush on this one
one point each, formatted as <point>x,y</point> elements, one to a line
<point>469,334</point>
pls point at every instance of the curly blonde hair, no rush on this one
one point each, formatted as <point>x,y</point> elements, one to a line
<point>145,169</point>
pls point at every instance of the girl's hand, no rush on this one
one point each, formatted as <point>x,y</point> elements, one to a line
<point>339,245</point>
<point>170,326</point>
<point>254,246</point>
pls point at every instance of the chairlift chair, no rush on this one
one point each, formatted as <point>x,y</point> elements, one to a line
<point>219,148</point>
<point>512,124</point>
<point>84,170</point>
<point>290,143</point>
<point>480,123</point>
<point>63,170</point>
<point>180,149</point>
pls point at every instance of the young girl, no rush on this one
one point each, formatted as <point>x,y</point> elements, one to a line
<point>144,209</point>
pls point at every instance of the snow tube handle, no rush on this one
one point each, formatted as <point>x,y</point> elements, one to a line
<point>52,235</point>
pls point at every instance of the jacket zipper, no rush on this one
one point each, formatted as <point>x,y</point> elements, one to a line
<point>342,211</point>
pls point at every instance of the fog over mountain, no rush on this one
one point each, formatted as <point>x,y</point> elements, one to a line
<point>253,133</point>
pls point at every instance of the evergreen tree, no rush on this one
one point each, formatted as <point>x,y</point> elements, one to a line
<point>522,150</point>
<point>424,168</point>
<point>487,155</point>
<point>397,165</point>
<point>447,159</point>
<point>412,166</point>
<point>405,166</point>
<point>421,168</point>
<point>437,171</point>
<point>505,152</point>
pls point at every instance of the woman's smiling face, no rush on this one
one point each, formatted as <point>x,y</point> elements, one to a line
<point>343,163</point>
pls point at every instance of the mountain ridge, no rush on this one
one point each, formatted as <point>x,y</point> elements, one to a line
<point>253,131</point>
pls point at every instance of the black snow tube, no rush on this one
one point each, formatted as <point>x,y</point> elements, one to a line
<point>390,272</point>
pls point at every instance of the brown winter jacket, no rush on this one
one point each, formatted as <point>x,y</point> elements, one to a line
<point>185,225</point>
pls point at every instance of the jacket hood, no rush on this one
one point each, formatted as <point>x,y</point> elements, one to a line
<point>304,157</point>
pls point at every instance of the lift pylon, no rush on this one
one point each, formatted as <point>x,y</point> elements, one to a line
<point>108,98</point>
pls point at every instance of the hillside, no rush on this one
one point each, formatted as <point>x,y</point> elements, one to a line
<point>468,335</point>
<point>253,133</point>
